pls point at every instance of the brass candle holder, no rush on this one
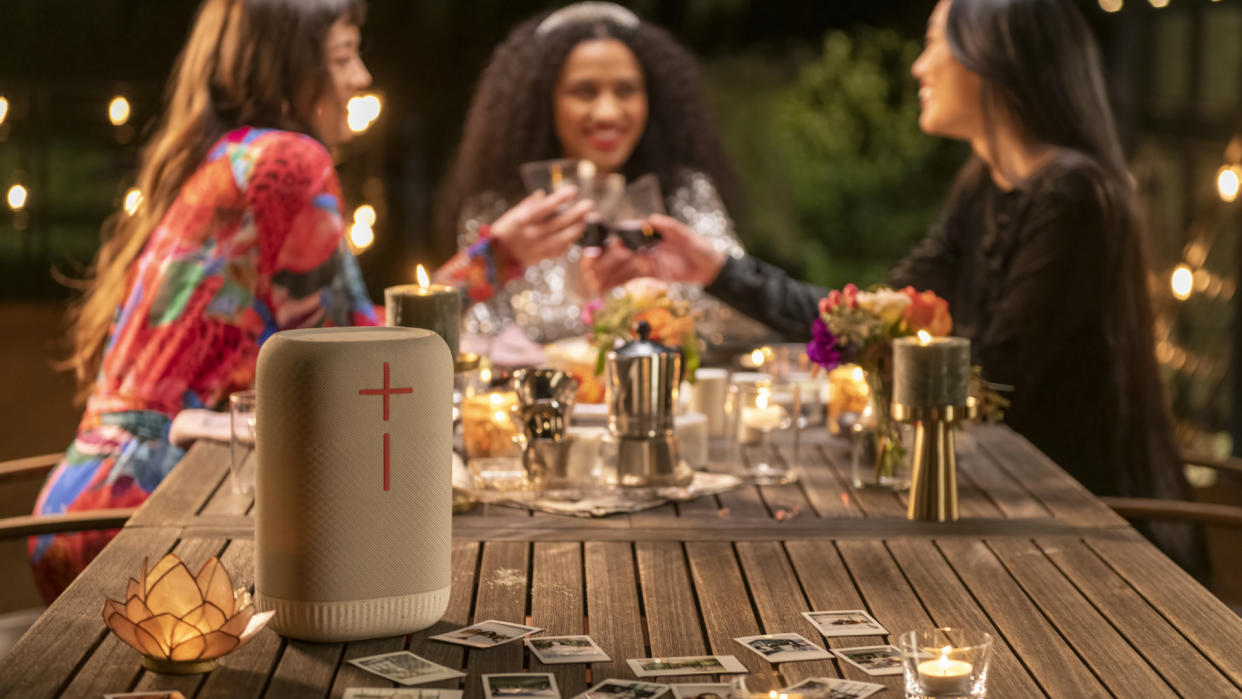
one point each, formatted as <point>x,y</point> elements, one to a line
<point>933,480</point>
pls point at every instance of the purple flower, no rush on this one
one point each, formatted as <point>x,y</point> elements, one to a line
<point>823,348</point>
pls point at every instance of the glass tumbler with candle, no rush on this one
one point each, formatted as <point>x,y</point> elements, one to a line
<point>945,663</point>
<point>489,431</point>
<point>764,430</point>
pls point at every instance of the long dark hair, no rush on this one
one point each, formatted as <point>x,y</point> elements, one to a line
<point>1040,66</point>
<point>246,63</point>
<point>511,116</point>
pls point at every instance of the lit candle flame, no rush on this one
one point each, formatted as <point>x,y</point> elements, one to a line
<point>761,401</point>
<point>423,281</point>
<point>944,659</point>
<point>924,337</point>
<point>857,373</point>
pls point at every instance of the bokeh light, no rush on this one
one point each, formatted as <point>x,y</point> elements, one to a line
<point>1182,282</point>
<point>118,110</point>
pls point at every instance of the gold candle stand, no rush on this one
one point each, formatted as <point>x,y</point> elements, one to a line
<point>933,481</point>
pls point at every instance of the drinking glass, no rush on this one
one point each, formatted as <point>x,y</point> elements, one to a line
<point>763,428</point>
<point>628,221</point>
<point>489,430</point>
<point>241,441</point>
<point>945,663</point>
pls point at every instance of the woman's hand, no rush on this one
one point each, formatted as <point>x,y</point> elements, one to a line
<point>681,256</point>
<point>534,230</point>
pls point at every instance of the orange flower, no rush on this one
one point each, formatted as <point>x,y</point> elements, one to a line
<point>928,312</point>
<point>666,329</point>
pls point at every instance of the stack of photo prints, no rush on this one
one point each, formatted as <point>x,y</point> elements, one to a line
<point>406,668</point>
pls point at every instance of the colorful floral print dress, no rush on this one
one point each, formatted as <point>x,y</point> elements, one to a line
<point>253,244</point>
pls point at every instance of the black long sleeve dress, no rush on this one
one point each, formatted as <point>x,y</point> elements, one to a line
<point>1038,284</point>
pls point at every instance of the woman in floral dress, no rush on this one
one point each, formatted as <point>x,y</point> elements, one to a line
<point>240,235</point>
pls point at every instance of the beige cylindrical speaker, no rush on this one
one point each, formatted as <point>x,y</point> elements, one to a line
<point>353,495</point>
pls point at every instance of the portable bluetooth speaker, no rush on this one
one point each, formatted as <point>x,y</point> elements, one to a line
<point>353,501</point>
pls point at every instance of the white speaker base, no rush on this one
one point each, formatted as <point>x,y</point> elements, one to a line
<point>355,619</point>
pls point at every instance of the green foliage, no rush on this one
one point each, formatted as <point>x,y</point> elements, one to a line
<point>841,181</point>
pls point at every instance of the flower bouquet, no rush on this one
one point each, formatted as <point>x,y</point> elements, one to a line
<point>617,317</point>
<point>858,327</point>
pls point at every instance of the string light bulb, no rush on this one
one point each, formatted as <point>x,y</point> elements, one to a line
<point>361,236</point>
<point>362,112</point>
<point>1182,282</point>
<point>1228,179</point>
<point>4,109</point>
<point>17,197</point>
<point>1111,5</point>
<point>118,111</point>
<point>1159,3</point>
<point>365,215</point>
<point>133,199</point>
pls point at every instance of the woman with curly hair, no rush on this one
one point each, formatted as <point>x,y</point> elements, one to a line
<point>590,81</point>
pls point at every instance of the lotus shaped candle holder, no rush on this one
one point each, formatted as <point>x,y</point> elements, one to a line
<point>182,623</point>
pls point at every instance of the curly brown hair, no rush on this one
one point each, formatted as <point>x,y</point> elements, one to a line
<point>511,120</point>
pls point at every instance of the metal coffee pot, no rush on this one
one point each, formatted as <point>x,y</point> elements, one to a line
<point>545,401</point>
<point>642,380</point>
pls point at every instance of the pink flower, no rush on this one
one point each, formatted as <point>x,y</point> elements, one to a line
<point>590,309</point>
<point>851,295</point>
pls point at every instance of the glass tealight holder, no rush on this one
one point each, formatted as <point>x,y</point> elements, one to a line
<point>490,430</point>
<point>764,430</point>
<point>945,663</point>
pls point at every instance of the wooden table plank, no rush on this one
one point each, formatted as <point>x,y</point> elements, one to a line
<point>725,608</point>
<point>613,618</point>
<point>779,600</point>
<point>1065,497</point>
<point>1191,609</point>
<point>246,671</point>
<point>673,627</point>
<point>825,491</point>
<point>873,502</point>
<point>501,595</point>
<point>62,638</point>
<point>227,501</point>
<point>1110,656</point>
<point>1161,644</point>
<point>305,669</point>
<point>1059,671</point>
<point>999,485</point>
<point>828,586</point>
<point>557,606</point>
<point>727,529</point>
<point>949,604</point>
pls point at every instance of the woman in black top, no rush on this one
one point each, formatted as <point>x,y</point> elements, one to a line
<point>1038,251</point>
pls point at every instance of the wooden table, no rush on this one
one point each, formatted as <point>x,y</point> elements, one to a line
<point>1080,604</point>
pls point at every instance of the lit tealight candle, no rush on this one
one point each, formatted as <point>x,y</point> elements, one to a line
<point>434,307</point>
<point>763,417</point>
<point>931,371</point>
<point>945,676</point>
